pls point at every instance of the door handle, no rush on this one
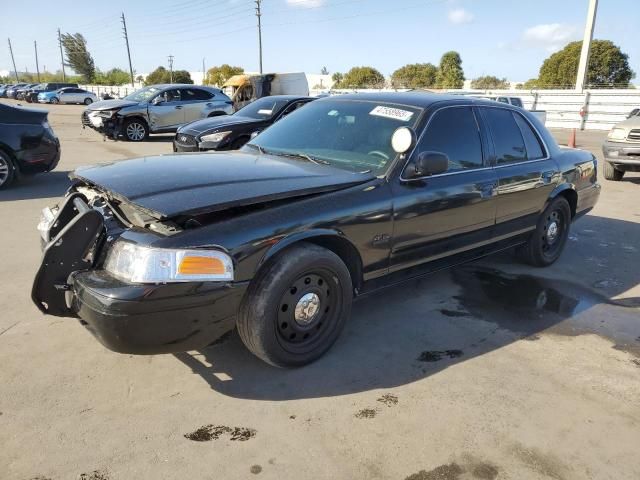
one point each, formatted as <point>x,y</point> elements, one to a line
<point>178,107</point>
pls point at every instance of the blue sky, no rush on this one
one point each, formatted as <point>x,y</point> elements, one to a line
<point>503,38</point>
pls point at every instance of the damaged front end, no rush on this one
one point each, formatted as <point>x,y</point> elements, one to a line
<point>106,122</point>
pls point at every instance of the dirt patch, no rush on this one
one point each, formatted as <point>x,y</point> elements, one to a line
<point>437,355</point>
<point>366,413</point>
<point>544,463</point>
<point>388,399</point>
<point>95,475</point>
<point>211,432</point>
<point>452,471</point>
<point>255,469</point>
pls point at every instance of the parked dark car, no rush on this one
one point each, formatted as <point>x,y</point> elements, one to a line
<point>20,92</point>
<point>31,95</point>
<point>12,90</point>
<point>27,143</point>
<point>340,198</point>
<point>230,132</point>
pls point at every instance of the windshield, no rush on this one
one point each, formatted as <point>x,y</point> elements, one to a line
<point>262,109</point>
<point>350,134</point>
<point>143,94</point>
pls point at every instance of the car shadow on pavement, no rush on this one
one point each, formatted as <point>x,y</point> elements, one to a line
<point>44,185</point>
<point>415,330</point>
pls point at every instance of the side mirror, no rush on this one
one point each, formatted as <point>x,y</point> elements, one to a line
<point>429,163</point>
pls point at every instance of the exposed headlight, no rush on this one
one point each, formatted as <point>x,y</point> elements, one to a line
<point>140,264</point>
<point>215,137</point>
<point>104,113</point>
<point>617,134</point>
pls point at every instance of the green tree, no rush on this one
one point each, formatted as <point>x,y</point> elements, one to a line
<point>218,75</point>
<point>489,81</point>
<point>77,55</point>
<point>415,75</point>
<point>115,76</point>
<point>529,84</point>
<point>608,66</point>
<point>362,77</point>
<point>337,79</point>
<point>450,73</point>
<point>324,71</point>
<point>162,75</point>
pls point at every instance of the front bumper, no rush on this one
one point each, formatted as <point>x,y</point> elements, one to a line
<point>124,317</point>
<point>624,156</point>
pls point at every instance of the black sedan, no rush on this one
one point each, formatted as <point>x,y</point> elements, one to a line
<point>27,143</point>
<point>230,132</point>
<point>342,197</point>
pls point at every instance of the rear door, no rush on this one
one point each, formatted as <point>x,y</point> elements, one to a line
<point>525,172</point>
<point>194,101</point>
<point>451,212</point>
<point>169,113</point>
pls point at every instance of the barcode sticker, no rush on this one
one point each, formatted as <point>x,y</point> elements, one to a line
<point>394,113</point>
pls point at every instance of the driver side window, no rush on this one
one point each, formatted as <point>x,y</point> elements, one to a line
<point>454,131</point>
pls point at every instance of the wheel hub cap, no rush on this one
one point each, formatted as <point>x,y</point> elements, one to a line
<point>135,131</point>
<point>552,232</point>
<point>307,308</point>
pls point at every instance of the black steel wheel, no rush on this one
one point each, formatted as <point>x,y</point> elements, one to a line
<point>296,307</point>
<point>546,243</point>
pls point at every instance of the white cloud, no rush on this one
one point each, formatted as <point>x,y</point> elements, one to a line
<point>306,3</point>
<point>460,15</point>
<point>550,36</point>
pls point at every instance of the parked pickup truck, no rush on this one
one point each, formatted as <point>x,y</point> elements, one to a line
<point>622,149</point>
<point>155,109</point>
<point>341,197</point>
<point>244,89</point>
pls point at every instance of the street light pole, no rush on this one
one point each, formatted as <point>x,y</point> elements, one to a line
<point>259,15</point>
<point>583,66</point>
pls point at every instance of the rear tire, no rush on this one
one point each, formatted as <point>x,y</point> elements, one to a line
<point>88,101</point>
<point>135,130</point>
<point>546,243</point>
<point>54,100</point>
<point>7,170</point>
<point>611,172</point>
<point>296,307</point>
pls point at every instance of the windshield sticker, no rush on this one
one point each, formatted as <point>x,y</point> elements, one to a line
<point>394,113</point>
<point>265,111</point>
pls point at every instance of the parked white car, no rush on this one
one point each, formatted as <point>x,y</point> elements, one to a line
<point>69,95</point>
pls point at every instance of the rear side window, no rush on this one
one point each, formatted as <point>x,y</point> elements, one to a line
<point>531,140</point>
<point>516,101</point>
<point>195,94</point>
<point>507,138</point>
<point>454,132</point>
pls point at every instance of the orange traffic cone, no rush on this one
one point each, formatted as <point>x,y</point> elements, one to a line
<point>572,139</point>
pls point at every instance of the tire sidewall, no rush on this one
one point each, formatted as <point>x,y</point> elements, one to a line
<point>259,311</point>
<point>126,124</point>
<point>536,242</point>
<point>12,170</point>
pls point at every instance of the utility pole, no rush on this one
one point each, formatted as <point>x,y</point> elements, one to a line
<point>126,39</point>
<point>583,66</point>
<point>35,46</point>
<point>259,14</point>
<point>171,67</point>
<point>64,76</point>
<point>15,70</point>
<point>204,73</point>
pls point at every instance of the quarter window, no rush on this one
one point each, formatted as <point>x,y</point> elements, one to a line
<point>531,140</point>
<point>454,132</point>
<point>507,137</point>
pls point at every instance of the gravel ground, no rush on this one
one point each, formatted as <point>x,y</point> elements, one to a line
<point>493,370</point>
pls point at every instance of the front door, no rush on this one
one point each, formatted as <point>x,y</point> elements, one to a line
<point>451,212</point>
<point>168,113</point>
<point>524,170</point>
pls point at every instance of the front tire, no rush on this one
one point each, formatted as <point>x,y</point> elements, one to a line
<point>546,243</point>
<point>88,101</point>
<point>611,172</point>
<point>7,170</point>
<point>55,100</point>
<point>135,130</point>
<point>296,307</point>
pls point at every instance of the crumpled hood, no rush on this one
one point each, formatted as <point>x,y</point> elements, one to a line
<point>111,104</point>
<point>214,123</point>
<point>188,184</point>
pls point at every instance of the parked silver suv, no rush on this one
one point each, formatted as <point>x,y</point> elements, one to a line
<point>155,109</point>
